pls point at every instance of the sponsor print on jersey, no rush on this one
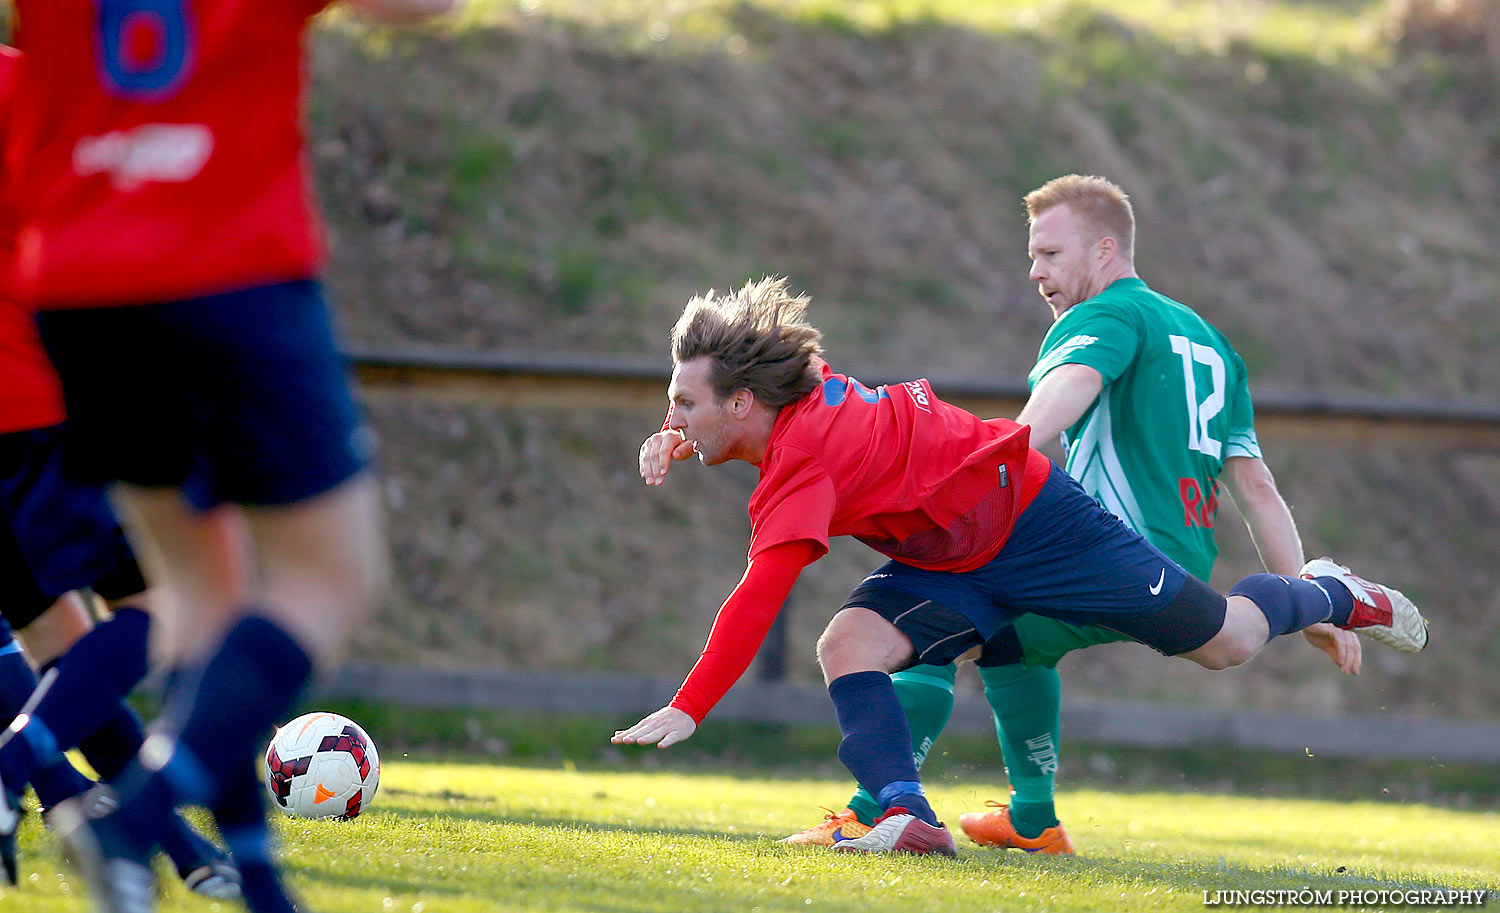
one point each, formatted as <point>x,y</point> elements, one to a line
<point>1042,751</point>
<point>1094,462</point>
<point>1056,356</point>
<point>1196,509</point>
<point>919,394</point>
<point>168,153</point>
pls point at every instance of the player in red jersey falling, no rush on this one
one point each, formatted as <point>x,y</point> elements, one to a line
<point>979,527</point>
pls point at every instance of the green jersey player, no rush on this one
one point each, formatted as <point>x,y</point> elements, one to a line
<point>1154,409</point>
<point>1174,406</point>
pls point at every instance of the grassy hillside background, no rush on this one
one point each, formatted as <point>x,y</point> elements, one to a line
<point>1318,179</point>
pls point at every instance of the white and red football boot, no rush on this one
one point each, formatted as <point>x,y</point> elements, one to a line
<point>1380,612</point>
<point>899,831</point>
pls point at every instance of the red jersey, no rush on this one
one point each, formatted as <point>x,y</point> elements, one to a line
<point>162,147</point>
<point>911,476</point>
<point>30,395</point>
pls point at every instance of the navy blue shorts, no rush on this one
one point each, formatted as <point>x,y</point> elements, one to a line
<point>56,534</point>
<point>1068,559</point>
<point>241,397</point>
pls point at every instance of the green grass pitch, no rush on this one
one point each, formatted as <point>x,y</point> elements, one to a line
<point>465,837</point>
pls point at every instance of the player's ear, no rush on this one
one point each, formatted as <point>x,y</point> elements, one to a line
<point>1107,248</point>
<point>740,402</point>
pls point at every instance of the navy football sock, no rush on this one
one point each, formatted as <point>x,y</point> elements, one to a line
<point>241,816</point>
<point>94,676</point>
<point>187,848</point>
<point>247,685</point>
<point>31,755</point>
<point>926,694</point>
<point>58,780</point>
<point>245,689</point>
<point>1339,596</point>
<point>877,741</point>
<point>149,796</point>
<point>111,747</point>
<point>17,681</point>
<point>262,890</point>
<point>1289,603</point>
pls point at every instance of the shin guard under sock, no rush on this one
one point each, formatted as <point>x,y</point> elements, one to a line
<point>112,746</point>
<point>926,694</point>
<point>17,680</point>
<point>94,677</point>
<point>241,816</point>
<point>29,753</point>
<point>247,687</point>
<point>877,742</point>
<point>1289,603</point>
<point>248,684</point>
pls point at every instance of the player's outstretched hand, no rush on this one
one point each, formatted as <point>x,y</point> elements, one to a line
<point>658,452</point>
<point>665,727</point>
<point>1343,647</point>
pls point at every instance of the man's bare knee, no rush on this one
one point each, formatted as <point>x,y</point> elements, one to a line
<point>1225,651</point>
<point>859,640</point>
<point>1244,632</point>
<point>1212,660</point>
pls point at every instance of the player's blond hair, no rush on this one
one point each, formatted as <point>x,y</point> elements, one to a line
<point>1098,200</point>
<point>758,339</point>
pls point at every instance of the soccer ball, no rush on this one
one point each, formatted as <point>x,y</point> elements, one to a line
<point>322,765</point>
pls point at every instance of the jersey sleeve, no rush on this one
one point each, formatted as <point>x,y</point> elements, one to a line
<point>1105,338</point>
<point>741,625</point>
<point>1240,439</point>
<point>794,501</point>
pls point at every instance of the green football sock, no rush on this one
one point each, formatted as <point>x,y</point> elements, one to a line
<point>1027,704</point>
<point>926,694</point>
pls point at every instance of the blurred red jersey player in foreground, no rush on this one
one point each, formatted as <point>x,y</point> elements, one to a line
<point>169,239</point>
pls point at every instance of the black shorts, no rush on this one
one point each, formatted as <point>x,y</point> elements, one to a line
<point>56,534</point>
<point>241,397</point>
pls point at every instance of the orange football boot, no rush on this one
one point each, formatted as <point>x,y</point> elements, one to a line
<point>845,823</point>
<point>995,829</point>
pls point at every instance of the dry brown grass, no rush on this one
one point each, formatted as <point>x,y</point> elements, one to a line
<point>533,184</point>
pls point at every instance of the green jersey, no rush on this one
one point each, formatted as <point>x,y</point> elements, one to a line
<point>1175,406</point>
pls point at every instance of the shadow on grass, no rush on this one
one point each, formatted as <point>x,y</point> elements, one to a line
<point>575,824</point>
<point>379,880</point>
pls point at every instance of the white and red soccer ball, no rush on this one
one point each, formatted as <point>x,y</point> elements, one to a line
<point>322,765</point>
